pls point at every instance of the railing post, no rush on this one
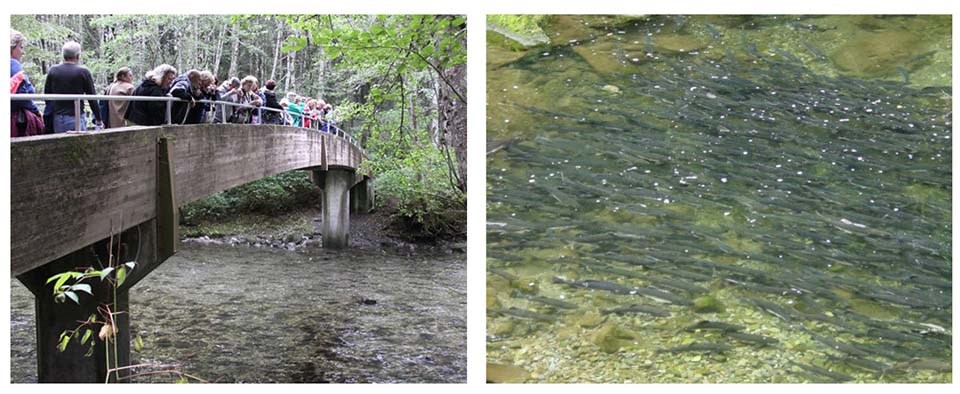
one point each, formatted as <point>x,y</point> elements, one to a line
<point>76,114</point>
<point>168,113</point>
<point>168,233</point>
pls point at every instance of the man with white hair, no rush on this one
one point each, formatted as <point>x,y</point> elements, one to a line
<point>70,77</point>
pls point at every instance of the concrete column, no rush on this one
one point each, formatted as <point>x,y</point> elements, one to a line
<point>336,208</point>
<point>53,318</point>
<point>359,202</point>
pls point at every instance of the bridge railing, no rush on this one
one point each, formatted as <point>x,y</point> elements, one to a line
<point>78,106</point>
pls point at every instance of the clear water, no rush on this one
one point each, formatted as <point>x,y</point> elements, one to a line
<point>755,163</point>
<point>238,314</point>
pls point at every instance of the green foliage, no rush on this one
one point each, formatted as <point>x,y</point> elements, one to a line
<point>271,195</point>
<point>396,62</point>
<point>414,186</point>
<point>382,73</point>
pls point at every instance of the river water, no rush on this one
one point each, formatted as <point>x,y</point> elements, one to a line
<point>772,195</point>
<point>240,314</point>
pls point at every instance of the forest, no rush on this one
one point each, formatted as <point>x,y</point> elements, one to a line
<point>397,83</point>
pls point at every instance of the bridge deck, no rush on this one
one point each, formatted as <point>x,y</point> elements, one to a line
<point>69,191</point>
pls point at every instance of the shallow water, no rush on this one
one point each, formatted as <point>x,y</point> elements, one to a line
<point>747,166</point>
<point>238,314</point>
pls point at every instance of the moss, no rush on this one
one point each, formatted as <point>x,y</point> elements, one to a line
<point>707,304</point>
<point>624,217</point>
<point>872,309</point>
<point>877,54</point>
<point>742,244</point>
<point>925,194</point>
<point>78,149</point>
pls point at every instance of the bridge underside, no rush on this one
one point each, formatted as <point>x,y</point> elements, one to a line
<point>71,193</point>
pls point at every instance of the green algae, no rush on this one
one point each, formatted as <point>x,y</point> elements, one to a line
<point>707,304</point>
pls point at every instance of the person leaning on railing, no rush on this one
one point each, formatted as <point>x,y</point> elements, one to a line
<point>155,83</point>
<point>229,92</point>
<point>25,118</point>
<point>185,87</point>
<point>247,96</point>
<point>208,91</point>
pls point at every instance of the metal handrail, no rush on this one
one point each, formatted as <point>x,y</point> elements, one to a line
<point>79,98</point>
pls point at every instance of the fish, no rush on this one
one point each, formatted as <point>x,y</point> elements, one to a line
<point>525,314</point>
<point>835,345</point>
<point>863,363</point>
<point>593,284</point>
<point>503,274</point>
<point>773,309</point>
<point>882,333</point>
<point>713,325</point>
<point>751,338</point>
<point>905,74</point>
<point>836,376</point>
<point>555,303</point>
<point>707,347</point>
<point>920,364</point>
<point>662,296</point>
<point>817,53</point>
<point>637,308</point>
<point>498,145</point>
<point>714,33</point>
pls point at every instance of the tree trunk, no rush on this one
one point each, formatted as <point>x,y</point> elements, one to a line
<point>235,52</point>
<point>276,51</point>
<point>216,59</point>
<point>291,79</point>
<point>453,118</point>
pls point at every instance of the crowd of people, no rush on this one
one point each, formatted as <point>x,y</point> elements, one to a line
<point>197,91</point>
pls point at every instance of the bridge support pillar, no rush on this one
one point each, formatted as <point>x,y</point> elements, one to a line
<point>336,207</point>
<point>52,319</point>
<point>360,197</point>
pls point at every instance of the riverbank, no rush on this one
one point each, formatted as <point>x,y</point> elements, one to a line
<point>301,229</point>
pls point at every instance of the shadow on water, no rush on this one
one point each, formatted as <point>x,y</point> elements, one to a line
<point>238,314</point>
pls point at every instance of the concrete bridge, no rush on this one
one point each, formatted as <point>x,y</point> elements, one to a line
<point>72,194</point>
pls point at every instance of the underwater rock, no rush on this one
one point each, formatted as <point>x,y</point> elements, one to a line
<point>610,338</point>
<point>524,29</point>
<point>611,89</point>
<point>502,373</point>
<point>611,21</point>
<point>678,43</point>
<point>707,304</point>
<point>502,51</point>
<point>589,320</point>
<point>876,54</point>
<point>611,57</point>
<point>502,328</point>
<point>492,301</point>
<point>529,286</point>
<point>566,29</point>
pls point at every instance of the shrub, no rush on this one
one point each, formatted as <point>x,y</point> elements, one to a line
<point>271,195</point>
